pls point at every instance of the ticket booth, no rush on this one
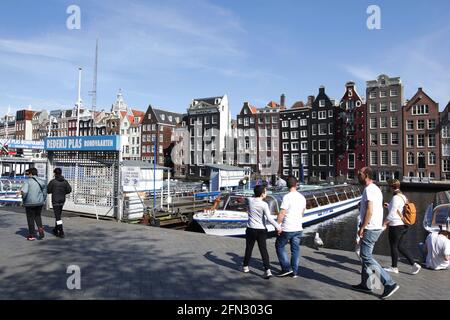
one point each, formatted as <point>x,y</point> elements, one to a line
<point>92,167</point>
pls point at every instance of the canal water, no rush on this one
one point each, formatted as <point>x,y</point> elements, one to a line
<point>340,233</point>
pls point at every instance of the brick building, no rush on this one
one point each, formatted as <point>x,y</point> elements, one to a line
<point>384,127</point>
<point>421,149</point>
<point>350,138</point>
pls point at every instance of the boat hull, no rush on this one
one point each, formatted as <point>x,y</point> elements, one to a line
<point>235,224</point>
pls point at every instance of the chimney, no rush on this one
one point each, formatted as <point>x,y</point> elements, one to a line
<point>322,90</point>
<point>282,101</point>
<point>310,101</point>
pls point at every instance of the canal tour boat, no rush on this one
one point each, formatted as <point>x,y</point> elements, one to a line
<point>437,215</point>
<point>229,215</point>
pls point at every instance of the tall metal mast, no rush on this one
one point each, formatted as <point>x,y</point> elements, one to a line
<point>93,93</point>
<point>79,102</point>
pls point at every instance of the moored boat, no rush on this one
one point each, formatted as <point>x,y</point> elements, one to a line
<point>437,215</point>
<point>229,216</point>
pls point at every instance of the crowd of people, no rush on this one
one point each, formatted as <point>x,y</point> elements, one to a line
<point>289,227</point>
<point>371,224</point>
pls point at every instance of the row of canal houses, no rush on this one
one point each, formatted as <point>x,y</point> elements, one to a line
<point>319,140</point>
<point>328,140</point>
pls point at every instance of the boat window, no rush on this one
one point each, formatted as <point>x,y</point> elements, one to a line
<point>219,203</point>
<point>441,215</point>
<point>349,193</point>
<point>322,199</point>
<point>238,203</point>
<point>357,192</point>
<point>311,203</point>
<point>341,195</point>
<point>273,206</point>
<point>332,197</point>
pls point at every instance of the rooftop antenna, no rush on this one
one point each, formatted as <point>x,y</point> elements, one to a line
<point>93,93</point>
<point>79,102</point>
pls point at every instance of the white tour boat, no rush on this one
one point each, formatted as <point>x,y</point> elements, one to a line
<point>229,217</point>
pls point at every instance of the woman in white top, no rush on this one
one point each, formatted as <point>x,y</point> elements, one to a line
<point>398,229</point>
<point>256,231</point>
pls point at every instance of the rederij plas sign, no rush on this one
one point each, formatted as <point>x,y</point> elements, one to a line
<point>22,144</point>
<point>95,143</point>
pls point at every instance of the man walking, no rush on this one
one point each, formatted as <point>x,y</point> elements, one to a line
<point>34,195</point>
<point>58,188</point>
<point>290,219</point>
<point>370,229</point>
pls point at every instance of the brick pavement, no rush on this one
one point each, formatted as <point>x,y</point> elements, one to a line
<point>122,261</point>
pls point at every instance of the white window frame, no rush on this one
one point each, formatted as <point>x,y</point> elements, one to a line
<point>322,115</point>
<point>326,145</point>
<point>398,138</point>
<point>354,161</point>
<point>392,125</point>
<point>393,104</point>
<point>381,158</point>
<point>397,162</point>
<point>429,158</point>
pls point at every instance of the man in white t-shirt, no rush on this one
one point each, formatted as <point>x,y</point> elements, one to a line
<point>291,221</point>
<point>437,249</point>
<point>370,229</point>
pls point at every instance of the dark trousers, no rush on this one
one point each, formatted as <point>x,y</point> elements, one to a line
<point>33,216</point>
<point>396,241</point>
<point>251,236</point>
<point>57,210</point>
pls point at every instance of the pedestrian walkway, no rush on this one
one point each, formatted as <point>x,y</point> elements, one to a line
<point>122,261</point>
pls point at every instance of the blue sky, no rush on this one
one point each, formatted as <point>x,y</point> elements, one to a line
<point>166,53</point>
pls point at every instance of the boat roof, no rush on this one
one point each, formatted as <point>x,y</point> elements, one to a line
<point>303,189</point>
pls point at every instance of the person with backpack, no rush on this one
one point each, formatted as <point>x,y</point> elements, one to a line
<point>58,188</point>
<point>34,196</point>
<point>402,215</point>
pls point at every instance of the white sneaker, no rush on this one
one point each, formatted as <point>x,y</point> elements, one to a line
<point>267,274</point>
<point>391,270</point>
<point>416,268</point>
<point>245,269</point>
<point>358,253</point>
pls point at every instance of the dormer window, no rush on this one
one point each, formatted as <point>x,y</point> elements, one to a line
<point>163,117</point>
<point>170,118</point>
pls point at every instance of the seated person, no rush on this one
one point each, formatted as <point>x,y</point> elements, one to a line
<point>437,251</point>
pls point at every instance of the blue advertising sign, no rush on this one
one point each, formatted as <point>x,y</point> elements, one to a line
<point>94,143</point>
<point>22,144</point>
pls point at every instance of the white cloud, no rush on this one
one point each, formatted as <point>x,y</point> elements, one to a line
<point>420,62</point>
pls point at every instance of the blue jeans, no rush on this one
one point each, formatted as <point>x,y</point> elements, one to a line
<point>370,266</point>
<point>293,238</point>
<point>423,251</point>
